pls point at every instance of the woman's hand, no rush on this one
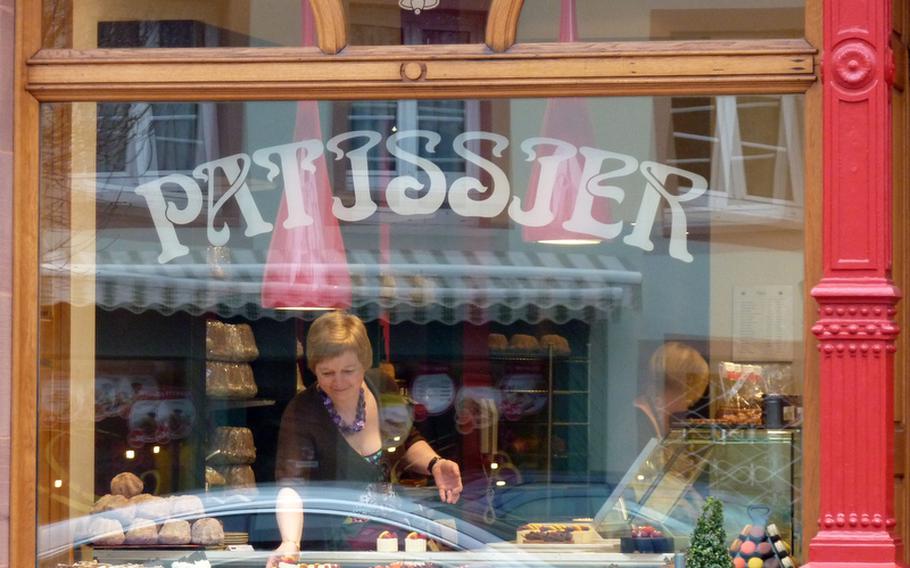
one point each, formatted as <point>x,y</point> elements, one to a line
<point>287,552</point>
<point>447,475</point>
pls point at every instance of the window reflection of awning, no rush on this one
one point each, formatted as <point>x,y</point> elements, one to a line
<point>418,286</point>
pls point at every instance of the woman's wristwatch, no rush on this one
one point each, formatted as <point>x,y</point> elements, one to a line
<point>432,464</point>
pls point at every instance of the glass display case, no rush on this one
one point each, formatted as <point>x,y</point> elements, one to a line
<point>753,471</point>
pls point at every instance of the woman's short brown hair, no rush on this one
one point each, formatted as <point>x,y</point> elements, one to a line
<point>334,333</point>
<point>682,367</point>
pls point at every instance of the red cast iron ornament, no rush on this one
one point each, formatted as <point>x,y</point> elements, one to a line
<point>856,330</point>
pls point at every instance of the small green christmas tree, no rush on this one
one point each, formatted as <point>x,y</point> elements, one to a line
<point>708,548</point>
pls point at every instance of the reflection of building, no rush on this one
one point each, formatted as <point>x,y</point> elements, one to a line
<point>798,193</point>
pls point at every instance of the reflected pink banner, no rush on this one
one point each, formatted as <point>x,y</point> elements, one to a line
<point>307,266</point>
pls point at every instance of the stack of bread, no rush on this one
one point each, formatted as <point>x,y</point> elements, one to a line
<point>229,350</point>
<point>127,516</point>
<point>232,452</point>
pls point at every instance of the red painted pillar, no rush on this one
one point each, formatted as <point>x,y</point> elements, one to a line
<point>856,297</point>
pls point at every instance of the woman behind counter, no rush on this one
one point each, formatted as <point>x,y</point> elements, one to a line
<point>341,430</point>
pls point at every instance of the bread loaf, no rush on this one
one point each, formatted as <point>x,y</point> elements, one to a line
<point>557,343</point>
<point>207,532</point>
<point>497,342</point>
<point>229,380</point>
<point>106,532</point>
<point>151,507</point>
<point>238,476</point>
<point>230,342</point>
<point>213,478</point>
<point>174,532</point>
<point>232,445</point>
<point>126,484</point>
<point>142,531</point>
<point>186,506</point>
<point>522,342</point>
<point>115,507</point>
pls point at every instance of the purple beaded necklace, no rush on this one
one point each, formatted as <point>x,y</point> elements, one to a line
<point>359,418</point>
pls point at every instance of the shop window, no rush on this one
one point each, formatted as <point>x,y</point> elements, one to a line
<point>623,379</point>
<point>748,149</point>
<point>631,20</point>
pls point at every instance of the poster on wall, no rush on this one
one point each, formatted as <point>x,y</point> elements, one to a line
<point>763,328</point>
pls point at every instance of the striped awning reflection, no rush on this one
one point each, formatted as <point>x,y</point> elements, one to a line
<point>413,285</point>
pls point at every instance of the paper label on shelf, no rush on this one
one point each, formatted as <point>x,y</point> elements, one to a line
<point>239,548</point>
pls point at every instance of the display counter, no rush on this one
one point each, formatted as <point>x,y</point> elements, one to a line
<point>505,555</point>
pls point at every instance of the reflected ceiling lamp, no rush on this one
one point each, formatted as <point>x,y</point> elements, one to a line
<point>307,267</point>
<point>417,6</point>
<point>565,119</point>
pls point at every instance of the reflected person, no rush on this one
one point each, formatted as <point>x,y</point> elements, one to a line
<point>677,379</point>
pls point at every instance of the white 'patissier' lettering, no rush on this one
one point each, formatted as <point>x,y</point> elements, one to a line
<point>586,171</point>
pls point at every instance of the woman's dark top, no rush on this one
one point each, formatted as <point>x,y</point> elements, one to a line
<point>311,448</point>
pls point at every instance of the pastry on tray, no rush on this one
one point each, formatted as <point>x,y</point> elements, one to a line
<point>415,542</point>
<point>555,533</point>
<point>387,541</point>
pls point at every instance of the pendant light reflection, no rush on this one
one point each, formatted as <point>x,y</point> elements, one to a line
<point>565,119</point>
<point>418,6</point>
<point>306,268</point>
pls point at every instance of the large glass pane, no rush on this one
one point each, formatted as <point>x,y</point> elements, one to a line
<point>592,306</point>
<point>547,20</point>
<point>416,22</point>
<point>87,24</point>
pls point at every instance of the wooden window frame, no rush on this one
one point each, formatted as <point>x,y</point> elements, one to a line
<point>497,69</point>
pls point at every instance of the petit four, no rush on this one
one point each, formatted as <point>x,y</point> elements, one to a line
<point>415,542</point>
<point>387,541</point>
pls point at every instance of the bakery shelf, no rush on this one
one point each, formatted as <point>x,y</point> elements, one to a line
<point>518,356</point>
<point>216,404</point>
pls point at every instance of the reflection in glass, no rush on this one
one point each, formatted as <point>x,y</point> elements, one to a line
<point>662,20</point>
<point>531,364</point>
<point>273,23</point>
